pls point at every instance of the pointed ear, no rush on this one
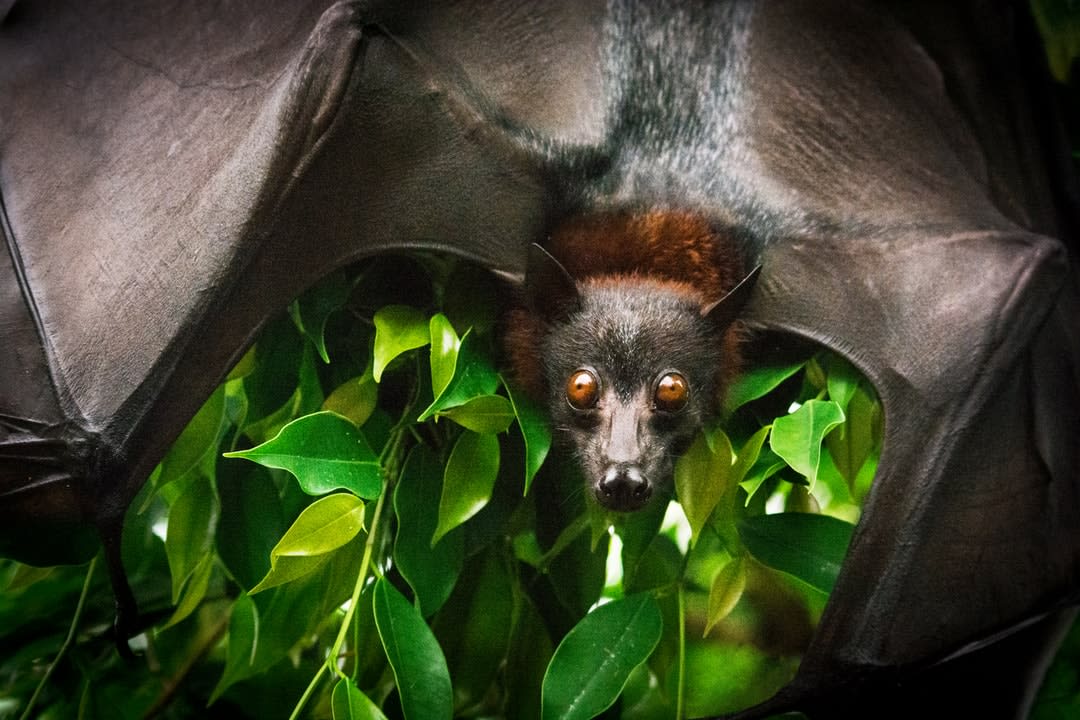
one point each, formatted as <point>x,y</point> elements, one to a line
<point>724,311</point>
<point>551,292</point>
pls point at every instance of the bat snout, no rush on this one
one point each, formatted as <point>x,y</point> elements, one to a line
<point>623,488</point>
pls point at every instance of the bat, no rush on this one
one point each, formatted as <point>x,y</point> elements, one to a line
<point>635,358</point>
<point>896,169</point>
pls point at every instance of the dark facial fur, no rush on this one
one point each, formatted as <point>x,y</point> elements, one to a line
<point>640,310</point>
<point>630,336</point>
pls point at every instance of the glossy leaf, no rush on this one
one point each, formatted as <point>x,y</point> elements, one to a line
<point>444,352</point>
<point>843,380</point>
<point>398,329</point>
<point>430,570</point>
<point>325,452</point>
<point>810,547</point>
<point>594,660</point>
<point>701,477</point>
<point>354,399</point>
<point>853,444</point>
<point>348,703</point>
<point>727,587</point>
<point>534,430</point>
<point>474,375</point>
<point>197,443</point>
<point>483,414</point>
<point>748,454</point>
<point>797,437</point>
<point>768,464</point>
<point>757,382</point>
<point>190,533</point>
<point>423,680</point>
<point>324,526</point>
<point>467,481</point>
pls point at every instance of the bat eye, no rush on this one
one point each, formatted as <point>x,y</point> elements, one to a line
<point>582,390</point>
<point>672,393</point>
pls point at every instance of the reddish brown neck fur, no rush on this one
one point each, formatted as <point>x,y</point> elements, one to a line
<point>673,246</point>
<point>679,250</point>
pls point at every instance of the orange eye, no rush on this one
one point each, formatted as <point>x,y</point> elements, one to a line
<point>582,390</point>
<point>672,393</point>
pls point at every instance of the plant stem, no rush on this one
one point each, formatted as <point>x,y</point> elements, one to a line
<point>388,455</point>
<point>307,693</point>
<point>358,589</point>
<point>67,641</point>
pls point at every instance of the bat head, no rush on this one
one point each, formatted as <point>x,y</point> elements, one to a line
<point>631,369</point>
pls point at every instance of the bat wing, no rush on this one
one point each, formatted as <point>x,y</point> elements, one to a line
<point>953,299</point>
<point>171,177</point>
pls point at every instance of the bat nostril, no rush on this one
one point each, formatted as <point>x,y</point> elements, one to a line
<point>623,488</point>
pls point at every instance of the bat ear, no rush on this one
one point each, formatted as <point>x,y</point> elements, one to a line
<point>550,291</point>
<point>724,311</point>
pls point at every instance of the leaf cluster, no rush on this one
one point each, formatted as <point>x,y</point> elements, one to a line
<point>367,520</point>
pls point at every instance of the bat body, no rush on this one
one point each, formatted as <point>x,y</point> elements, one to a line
<point>634,359</point>
<point>895,169</point>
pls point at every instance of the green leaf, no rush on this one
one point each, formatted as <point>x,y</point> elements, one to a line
<point>348,703</point>
<point>354,399</point>
<point>420,670</point>
<point>748,455</point>
<point>660,565</point>
<point>474,375</point>
<point>194,590</point>
<point>24,576</point>
<point>843,379</point>
<point>198,442</point>
<point>324,526</point>
<point>242,640</point>
<point>727,587</point>
<point>767,464</point>
<point>797,437</point>
<point>444,353</point>
<point>594,660</point>
<point>312,309</point>
<point>851,447</point>
<point>398,329</point>
<point>810,547</point>
<point>244,538</point>
<point>528,655</point>
<point>190,533</point>
<point>430,570</point>
<point>638,530</point>
<point>701,477</point>
<point>325,452</point>
<point>757,382</point>
<point>483,414</point>
<point>468,480</point>
<point>271,386</point>
<point>473,627</point>
<point>534,429</point>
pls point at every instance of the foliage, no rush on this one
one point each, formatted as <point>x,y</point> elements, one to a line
<point>361,523</point>
<point>389,534</point>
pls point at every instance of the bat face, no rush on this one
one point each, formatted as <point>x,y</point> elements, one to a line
<point>631,377</point>
<point>631,364</point>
